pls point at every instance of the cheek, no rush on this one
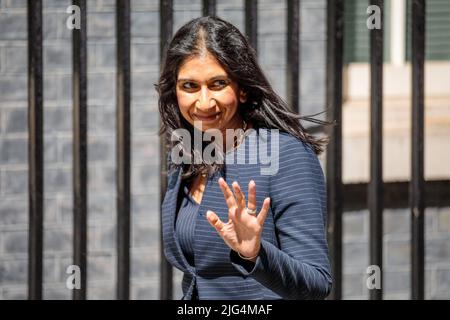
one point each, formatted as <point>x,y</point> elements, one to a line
<point>185,101</point>
<point>228,100</point>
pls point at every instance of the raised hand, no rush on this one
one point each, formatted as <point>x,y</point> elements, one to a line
<point>242,232</point>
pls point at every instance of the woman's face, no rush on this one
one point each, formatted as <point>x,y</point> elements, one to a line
<point>206,95</point>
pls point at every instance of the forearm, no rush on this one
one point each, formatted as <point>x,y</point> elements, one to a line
<point>288,277</point>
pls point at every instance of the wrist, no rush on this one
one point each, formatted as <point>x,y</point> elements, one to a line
<point>252,258</point>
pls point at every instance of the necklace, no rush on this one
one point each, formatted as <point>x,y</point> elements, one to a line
<point>240,138</point>
<point>237,142</point>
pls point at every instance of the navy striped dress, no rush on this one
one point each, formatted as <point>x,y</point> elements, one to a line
<point>293,260</point>
<point>185,224</point>
<point>185,228</point>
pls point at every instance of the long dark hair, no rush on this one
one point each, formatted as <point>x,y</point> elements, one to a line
<point>263,107</point>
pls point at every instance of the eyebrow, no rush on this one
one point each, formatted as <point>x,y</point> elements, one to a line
<point>219,77</point>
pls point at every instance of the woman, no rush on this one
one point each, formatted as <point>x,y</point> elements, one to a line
<point>266,242</point>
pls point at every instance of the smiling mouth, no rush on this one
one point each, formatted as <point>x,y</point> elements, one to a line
<point>207,118</point>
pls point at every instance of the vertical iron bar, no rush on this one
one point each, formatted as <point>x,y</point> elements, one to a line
<point>166,30</point>
<point>335,35</point>
<point>292,63</point>
<point>35,149</point>
<point>375,186</point>
<point>209,7</point>
<point>251,22</point>
<point>417,184</point>
<point>123,148</point>
<point>79,85</point>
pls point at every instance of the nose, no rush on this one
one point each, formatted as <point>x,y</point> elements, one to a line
<point>205,101</point>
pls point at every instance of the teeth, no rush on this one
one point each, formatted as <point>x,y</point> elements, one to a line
<point>209,117</point>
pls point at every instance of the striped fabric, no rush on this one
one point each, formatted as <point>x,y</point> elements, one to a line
<point>185,225</point>
<point>293,260</point>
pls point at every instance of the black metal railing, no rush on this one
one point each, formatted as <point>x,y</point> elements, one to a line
<point>417,184</point>
<point>335,51</point>
<point>166,30</point>
<point>375,195</point>
<point>80,171</point>
<point>123,144</point>
<point>292,58</point>
<point>379,195</point>
<point>375,187</point>
<point>35,149</point>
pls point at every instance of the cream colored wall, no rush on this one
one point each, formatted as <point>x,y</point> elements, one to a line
<point>396,122</point>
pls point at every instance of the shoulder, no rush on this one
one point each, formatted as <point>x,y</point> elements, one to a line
<point>299,178</point>
<point>287,146</point>
<point>296,159</point>
<point>290,144</point>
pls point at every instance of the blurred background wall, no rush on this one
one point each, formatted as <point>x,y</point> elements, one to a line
<point>145,141</point>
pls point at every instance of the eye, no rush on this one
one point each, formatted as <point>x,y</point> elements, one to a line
<point>219,84</point>
<point>189,85</point>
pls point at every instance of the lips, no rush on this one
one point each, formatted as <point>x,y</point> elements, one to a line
<point>211,117</point>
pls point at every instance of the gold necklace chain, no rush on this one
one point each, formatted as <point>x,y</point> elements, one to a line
<point>240,138</point>
<point>236,144</point>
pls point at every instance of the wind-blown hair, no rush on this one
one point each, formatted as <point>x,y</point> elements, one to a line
<point>263,107</point>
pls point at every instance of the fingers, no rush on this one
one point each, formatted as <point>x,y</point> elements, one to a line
<point>240,196</point>
<point>237,200</point>
<point>264,211</point>
<point>232,213</point>
<point>227,193</point>
<point>214,220</point>
<point>240,200</point>
<point>252,195</point>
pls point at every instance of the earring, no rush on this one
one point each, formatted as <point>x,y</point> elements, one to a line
<point>243,97</point>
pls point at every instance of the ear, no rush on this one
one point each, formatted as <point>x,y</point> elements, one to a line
<point>242,96</point>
